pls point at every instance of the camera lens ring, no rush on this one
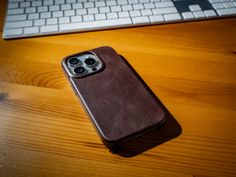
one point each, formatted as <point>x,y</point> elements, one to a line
<point>90,61</point>
<point>73,61</point>
<point>79,70</point>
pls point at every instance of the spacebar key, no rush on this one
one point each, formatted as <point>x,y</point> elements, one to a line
<point>95,24</point>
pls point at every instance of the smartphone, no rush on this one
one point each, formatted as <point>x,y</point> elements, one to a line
<point>118,102</point>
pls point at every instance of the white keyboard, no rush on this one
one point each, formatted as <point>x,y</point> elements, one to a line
<point>27,18</point>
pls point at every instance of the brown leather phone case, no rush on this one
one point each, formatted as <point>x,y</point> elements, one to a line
<point>118,102</point>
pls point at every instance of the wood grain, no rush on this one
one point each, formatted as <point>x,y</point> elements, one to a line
<point>191,67</point>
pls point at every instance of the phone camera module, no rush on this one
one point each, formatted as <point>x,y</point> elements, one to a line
<point>90,61</point>
<point>73,61</point>
<point>79,70</point>
<point>83,65</point>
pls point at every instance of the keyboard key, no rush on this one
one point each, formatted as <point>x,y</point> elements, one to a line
<point>228,4</point>
<point>143,1</point>
<point>76,19</point>
<point>45,15</point>
<point>77,6</point>
<point>50,28</point>
<point>66,7</point>
<point>70,1</point>
<point>146,12</point>
<point>111,3</point>
<point>104,9</point>
<point>31,30</point>
<point>133,1</point>
<point>229,11</point>
<point>112,15</point>
<point>210,13</point>
<point>138,6</point>
<point>93,10</point>
<point>100,4</point>
<point>149,6</point>
<point>16,17</point>
<point>164,4</point>
<point>59,1</point>
<point>81,11</point>
<point>25,4</point>
<point>172,17</point>
<point>123,14</point>
<point>188,15</point>
<point>18,24</point>
<point>122,2</point>
<point>57,14</point>
<point>13,32</point>
<point>54,8</point>
<point>69,13</point>
<point>33,16</point>
<point>213,1</point>
<point>100,16</point>
<point>88,17</point>
<point>64,20</point>
<point>195,8</point>
<point>51,21</point>
<point>47,2</point>
<point>218,6</point>
<point>30,10</point>
<point>135,13</point>
<point>127,7</point>
<point>39,22</point>
<point>15,11</point>
<point>199,14</point>
<point>13,5</point>
<point>115,8</point>
<point>42,9</point>
<point>95,24</point>
<point>156,18</point>
<point>138,20</point>
<point>88,4</point>
<point>36,3</point>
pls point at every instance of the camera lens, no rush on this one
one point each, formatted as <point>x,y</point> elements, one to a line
<point>73,61</point>
<point>89,61</point>
<point>79,70</point>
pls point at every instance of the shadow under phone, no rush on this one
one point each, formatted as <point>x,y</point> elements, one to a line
<point>169,130</point>
<point>156,136</point>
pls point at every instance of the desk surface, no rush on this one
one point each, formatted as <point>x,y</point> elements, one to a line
<point>191,67</point>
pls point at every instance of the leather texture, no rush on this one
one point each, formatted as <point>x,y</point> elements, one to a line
<point>119,103</point>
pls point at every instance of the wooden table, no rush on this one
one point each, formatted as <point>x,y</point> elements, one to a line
<point>191,67</point>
